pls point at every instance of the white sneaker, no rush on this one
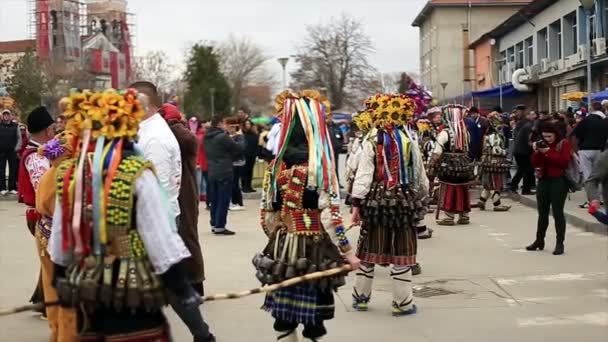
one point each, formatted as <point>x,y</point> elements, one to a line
<point>236,207</point>
<point>13,192</point>
<point>3,192</point>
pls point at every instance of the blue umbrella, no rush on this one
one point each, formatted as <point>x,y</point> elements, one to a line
<point>601,96</point>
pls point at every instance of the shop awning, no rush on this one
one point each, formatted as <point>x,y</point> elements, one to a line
<point>507,91</point>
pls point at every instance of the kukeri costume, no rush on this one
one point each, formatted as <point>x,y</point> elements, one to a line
<point>387,190</point>
<point>453,167</point>
<point>118,257</point>
<point>301,217</point>
<point>32,169</point>
<point>494,167</point>
<point>63,320</point>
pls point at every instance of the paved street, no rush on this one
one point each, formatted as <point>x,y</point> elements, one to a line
<point>478,284</point>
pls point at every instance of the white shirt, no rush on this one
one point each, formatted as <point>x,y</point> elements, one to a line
<point>159,146</point>
<point>163,244</point>
<point>273,138</point>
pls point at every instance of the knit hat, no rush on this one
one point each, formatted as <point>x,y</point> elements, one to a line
<point>39,120</point>
<point>170,112</point>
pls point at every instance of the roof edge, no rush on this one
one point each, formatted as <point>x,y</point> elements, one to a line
<point>523,15</point>
<point>428,7</point>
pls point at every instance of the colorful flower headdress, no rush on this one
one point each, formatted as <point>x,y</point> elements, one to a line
<point>423,125</point>
<point>390,109</point>
<point>110,114</point>
<point>363,120</point>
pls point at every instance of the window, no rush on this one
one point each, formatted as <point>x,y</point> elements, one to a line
<point>511,55</point>
<point>529,46</point>
<point>543,44</point>
<point>519,57</point>
<point>555,40</point>
<point>570,35</point>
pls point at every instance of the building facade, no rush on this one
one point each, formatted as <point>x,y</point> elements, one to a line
<point>10,53</point>
<point>544,47</point>
<point>446,29</point>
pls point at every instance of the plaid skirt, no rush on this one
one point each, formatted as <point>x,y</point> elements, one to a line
<point>302,304</point>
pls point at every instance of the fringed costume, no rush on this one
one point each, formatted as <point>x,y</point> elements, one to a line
<point>494,167</point>
<point>453,167</point>
<point>63,320</point>
<point>118,256</point>
<point>301,217</point>
<point>389,184</point>
<point>33,170</point>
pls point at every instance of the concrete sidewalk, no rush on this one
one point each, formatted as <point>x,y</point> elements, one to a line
<point>575,215</point>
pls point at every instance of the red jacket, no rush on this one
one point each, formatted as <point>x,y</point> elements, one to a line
<point>553,164</point>
<point>201,159</point>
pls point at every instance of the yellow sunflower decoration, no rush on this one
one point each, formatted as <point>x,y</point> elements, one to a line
<point>363,120</point>
<point>390,109</point>
<point>111,114</point>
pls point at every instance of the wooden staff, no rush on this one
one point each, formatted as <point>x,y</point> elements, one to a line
<point>264,289</point>
<point>287,283</point>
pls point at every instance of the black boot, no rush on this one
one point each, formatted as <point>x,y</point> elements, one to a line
<point>209,338</point>
<point>536,245</point>
<point>559,248</point>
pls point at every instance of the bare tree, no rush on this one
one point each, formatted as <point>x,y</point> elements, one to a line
<point>242,61</point>
<point>334,58</point>
<point>154,67</point>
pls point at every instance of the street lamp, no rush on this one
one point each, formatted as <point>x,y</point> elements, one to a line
<point>588,5</point>
<point>443,86</point>
<point>283,61</point>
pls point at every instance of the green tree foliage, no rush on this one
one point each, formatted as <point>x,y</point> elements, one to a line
<point>204,80</point>
<point>27,84</point>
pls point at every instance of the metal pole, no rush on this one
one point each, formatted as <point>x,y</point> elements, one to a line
<point>284,77</point>
<point>589,54</point>
<point>212,93</point>
<point>500,86</point>
<point>283,61</point>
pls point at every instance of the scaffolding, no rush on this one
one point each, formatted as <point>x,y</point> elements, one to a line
<point>56,27</point>
<point>69,22</point>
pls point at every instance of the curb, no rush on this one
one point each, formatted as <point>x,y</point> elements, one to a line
<point>586,225</point>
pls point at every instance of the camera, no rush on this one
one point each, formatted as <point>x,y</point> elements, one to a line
<point>541,143</point>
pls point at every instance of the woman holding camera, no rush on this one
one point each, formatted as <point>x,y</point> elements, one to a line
<point>551,156</point>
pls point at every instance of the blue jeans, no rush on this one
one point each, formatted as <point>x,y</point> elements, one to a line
<point>201,181</point>
<point>220,193</point>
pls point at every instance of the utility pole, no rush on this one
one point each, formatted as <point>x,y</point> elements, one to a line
<point>212,94</point>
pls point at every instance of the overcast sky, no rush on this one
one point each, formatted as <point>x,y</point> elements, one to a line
<point>277,25</point>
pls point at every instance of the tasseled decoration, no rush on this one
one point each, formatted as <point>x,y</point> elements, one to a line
<point>393,155</point>
<point>98,194</point>
<point>321,174</point>
<point>78,195</point>
<point>459,135</point>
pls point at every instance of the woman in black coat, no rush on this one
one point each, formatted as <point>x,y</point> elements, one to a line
<point>251,152</point>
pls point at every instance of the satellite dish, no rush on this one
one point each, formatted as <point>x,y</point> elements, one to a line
<point>492,41</point>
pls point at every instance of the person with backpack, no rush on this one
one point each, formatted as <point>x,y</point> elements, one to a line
<point>591,135</point>
<point>551,160</point>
